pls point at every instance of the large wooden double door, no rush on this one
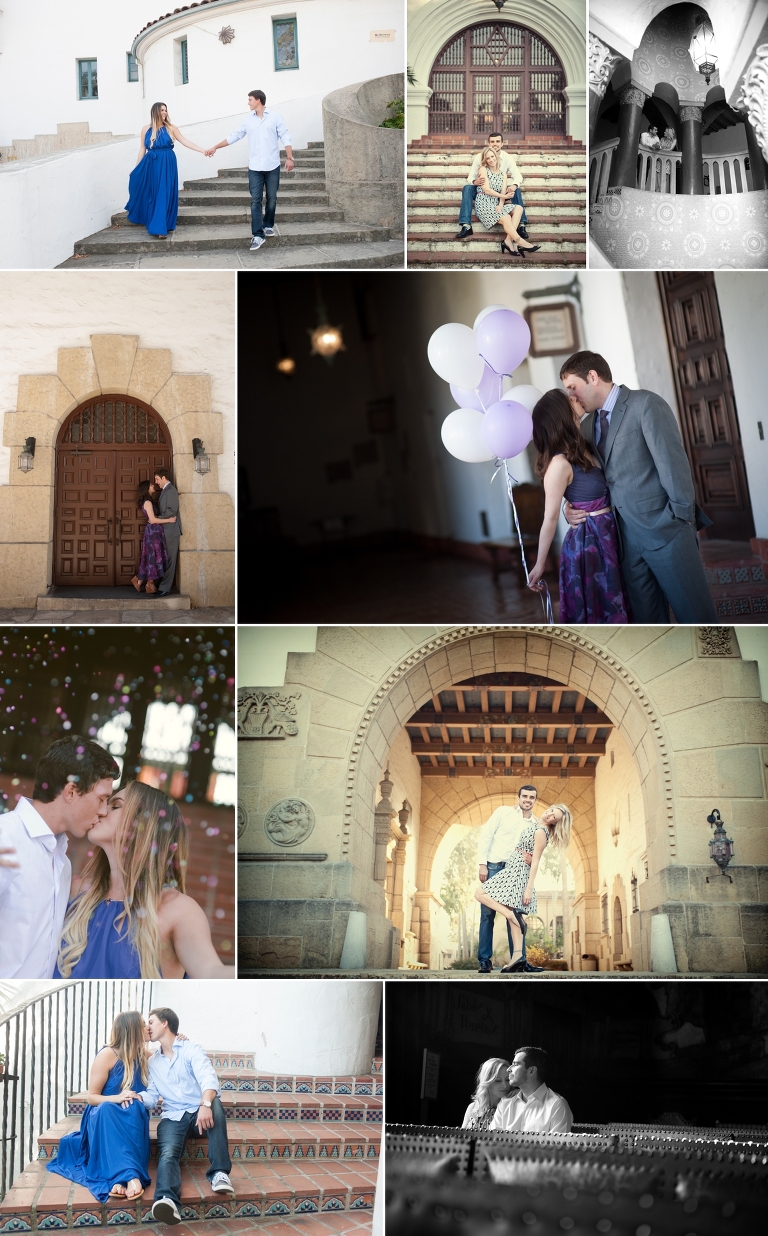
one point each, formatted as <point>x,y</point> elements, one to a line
<point>497,77</point>
<point>709,421</point>
<point>105,448</point>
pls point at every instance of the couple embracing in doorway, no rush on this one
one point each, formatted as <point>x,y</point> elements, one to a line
<point>159,500</point>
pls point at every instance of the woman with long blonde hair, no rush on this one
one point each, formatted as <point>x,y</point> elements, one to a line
<point>109,1153</point>
<point>492,205</point>
<point>491,1086</point>
<point>153,186</point>
<point>512,891</point>
<point>130,916</point>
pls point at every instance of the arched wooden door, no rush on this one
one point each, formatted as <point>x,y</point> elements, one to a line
<point>104,449</point>
<point>497,77</point>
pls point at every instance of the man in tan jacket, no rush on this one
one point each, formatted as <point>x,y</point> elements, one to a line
<point>469,192</point>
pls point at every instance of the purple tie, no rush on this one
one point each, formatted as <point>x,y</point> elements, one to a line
<point>604,427</point>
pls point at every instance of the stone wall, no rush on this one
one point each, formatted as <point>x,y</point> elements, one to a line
<point>620,836</point>
<point>363,162</point>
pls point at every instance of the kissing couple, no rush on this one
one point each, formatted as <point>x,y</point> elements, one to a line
<point>616,457</point>
<point>146,1064</point>
<point>126,915</point>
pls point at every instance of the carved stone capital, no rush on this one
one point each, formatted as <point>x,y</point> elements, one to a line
<point>715,642</point>
<point>690,113</point>
<point>754,96</point>
<point>265,714</point>
<point>602,62</point>
<point>634,95</point>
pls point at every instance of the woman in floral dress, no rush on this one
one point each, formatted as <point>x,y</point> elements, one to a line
<point>491,1086</point>
<point>511,891</point>
<point>154,559</point>
<point>492,208</point>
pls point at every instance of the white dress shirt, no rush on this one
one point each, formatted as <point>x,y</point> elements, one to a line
<point>33,896</point>
<point>506,164</point>
<point>498,836</point>
<point>607,407</point>
<point>544,1112</point>
<point>265,133</point>
<point>181,1080</point>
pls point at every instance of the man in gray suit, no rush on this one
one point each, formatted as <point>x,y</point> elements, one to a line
<point>168,504</point>
<point>636,436</point>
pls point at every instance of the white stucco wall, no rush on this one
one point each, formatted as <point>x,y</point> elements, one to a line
<point>190,312</point>
<point>262,653</point>
<point>296,1026</point>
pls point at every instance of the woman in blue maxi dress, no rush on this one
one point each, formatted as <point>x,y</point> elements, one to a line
<point>109,1153</point>
<point>153,185</point>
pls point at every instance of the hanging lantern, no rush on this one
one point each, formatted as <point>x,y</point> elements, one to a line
<point>326,340</point>
<point>286,365</point>
<point>499,4</point>
<point>720,846</point>
<point>702,50</point>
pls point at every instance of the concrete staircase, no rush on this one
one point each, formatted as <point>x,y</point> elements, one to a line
<point>554,190</point>
<point>300,1146</point>
<point>67,137</point>
<point>214,223</point>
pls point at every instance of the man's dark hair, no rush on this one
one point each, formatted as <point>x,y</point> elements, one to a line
<point>163,470</point>
<point>166,1015</point>
<point>535,1058</point>
<point>527,787</point>
<point>581,362</point>
<point>490,135</point>
<point>76,759</point>
<point>258,94</point>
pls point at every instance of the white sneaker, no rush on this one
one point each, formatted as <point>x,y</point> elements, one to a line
<point>165,1210</point>
<point>256,243</point>
<point>222,1184</point>
<point>269,231</point>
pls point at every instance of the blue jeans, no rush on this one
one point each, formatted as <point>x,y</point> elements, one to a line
<point>171,1136</point>
<point>468,195</point>
<point>487,917</point>
<point>257,183</point>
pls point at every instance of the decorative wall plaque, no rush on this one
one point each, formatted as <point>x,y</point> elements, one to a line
<point>715,641</point>
<point>289,822</point>
<point>553,327</point>
<point>265,714</point>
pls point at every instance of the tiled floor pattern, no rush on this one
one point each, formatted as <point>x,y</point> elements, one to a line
<point>306,1225</point>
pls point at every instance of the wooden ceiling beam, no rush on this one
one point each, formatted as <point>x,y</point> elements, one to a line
<point>452,716</point>
<point>480,749</point>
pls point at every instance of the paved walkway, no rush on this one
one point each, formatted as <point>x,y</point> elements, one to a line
<point>211,616</point>
<point>464,975</point>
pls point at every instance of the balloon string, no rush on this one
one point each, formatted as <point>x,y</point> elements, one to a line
<point>546,600</point>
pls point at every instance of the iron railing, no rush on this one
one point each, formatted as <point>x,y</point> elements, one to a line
<point>49,1042</point>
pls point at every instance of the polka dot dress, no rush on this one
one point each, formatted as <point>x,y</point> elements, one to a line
<point>509,884</point>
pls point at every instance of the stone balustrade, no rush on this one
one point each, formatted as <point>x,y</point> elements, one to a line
<point>657,171</point>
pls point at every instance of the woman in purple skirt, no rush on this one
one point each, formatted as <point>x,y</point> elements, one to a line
<point>591,587</point>
<point>154,559</point>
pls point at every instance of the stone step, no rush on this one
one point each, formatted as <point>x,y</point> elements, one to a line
<point>255,1139</point>
<point>376,255</point>
<point>486,243</point>
<point>439,182</point>
<point>72,597</point>
<point>419,256</point>
<point>213,216</point>
<point>312,182</point>
<point>294,197</point>
<point>533,202</point>
<point>542,216</point>
<point>317,1108</point>
<point>526,166</point>
<point>198,238</point>
<point>42,1201</point>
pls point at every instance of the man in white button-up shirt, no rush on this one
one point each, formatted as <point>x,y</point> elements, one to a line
<point>266,131</point>
<point>73,785</point>
<point>534,1108</point>
<point>498,839</point>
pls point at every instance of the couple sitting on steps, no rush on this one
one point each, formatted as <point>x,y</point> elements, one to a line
<point>493,189</point>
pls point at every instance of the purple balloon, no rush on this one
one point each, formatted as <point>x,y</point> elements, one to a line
<point>503,340</point>
<point>507,428</point>
<point>488,392</point>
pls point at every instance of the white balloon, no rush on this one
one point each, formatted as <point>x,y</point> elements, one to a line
<point>452,353</point>
<point>484,313</point>
<point>461,432</point>
<point>528,396</point>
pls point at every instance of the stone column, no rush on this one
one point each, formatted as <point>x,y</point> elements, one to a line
<point>757,164</point>
<point>693,170</point>
<point>383,816</point>
<point>398,875</point>
<point>624,169</point>
<point>602,62</point>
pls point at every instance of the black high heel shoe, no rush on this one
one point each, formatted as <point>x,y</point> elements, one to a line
<point>512,252</point>
<point>531,249</point>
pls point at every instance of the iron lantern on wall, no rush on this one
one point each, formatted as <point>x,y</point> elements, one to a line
<point>27,456</point>
<point>202,462</point>
<point>702,50</point>
<point>720,845</point>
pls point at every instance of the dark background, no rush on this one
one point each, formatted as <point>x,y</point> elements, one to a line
<point>619,1050</point>
<point>48,678</point>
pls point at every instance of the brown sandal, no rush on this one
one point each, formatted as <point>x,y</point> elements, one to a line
<point>136,583</point>
<point>150,586</point>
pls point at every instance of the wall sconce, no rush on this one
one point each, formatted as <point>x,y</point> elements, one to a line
<point>27,456</point>
<point>702,50</point>
<point>286,365</point>
<point>720,846</point>
<point>202,462</point>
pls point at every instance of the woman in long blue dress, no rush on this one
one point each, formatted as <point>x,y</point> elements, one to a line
<point>129,916</point>
<point>591,586</point>
<point>153,185</point>
<point>109,1154</point>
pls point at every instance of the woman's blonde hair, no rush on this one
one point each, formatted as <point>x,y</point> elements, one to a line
<point>487,1073</point>
<point>151,847</point>
<point>560,835</point>
<point>484,157</point>
<point>157,121</point>
<point>129,1045</point>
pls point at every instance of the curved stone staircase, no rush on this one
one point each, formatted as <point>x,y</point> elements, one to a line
<point>554,190</point>
<point>300,1146</point>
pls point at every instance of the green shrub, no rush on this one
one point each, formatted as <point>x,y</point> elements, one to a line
<point>397,119</point>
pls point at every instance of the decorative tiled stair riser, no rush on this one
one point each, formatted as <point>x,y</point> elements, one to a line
<point>737,581</point>
<point>299,1145</point>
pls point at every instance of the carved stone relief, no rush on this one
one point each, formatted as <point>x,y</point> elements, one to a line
<point>754,96</point>
<point>242,820</point>
<point>602,62</point>
<point>265,714</point>
<point>634,95</point>
<point>715,642</point>
<point>690,113</point>
<point>289,822</point>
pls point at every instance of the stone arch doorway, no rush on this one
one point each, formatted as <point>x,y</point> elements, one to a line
<point>497,76</point>
<point>104,448</point>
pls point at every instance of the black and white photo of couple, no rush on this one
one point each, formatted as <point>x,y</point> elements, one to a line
<point>515,1096</point>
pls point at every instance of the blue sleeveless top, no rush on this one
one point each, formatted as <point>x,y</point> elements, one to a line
<point>163,141</point>
<point>586,486</point>
<point>109,952</point>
